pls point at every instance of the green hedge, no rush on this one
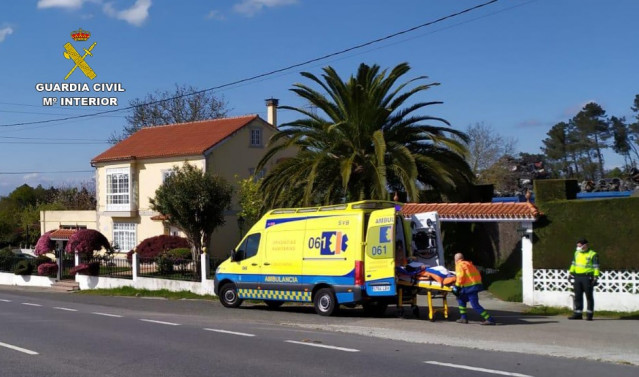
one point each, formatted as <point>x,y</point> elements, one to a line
<point>610,225</point>
<point>547,190</point>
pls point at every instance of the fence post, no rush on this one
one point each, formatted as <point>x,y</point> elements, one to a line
<point>135,263</point>
<point>206,266</point>
<point>527,264</point>
<point>76,257</point>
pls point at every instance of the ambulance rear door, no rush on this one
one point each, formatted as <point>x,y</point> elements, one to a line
<point>379,262</point>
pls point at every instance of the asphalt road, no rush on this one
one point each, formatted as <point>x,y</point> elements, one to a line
<point>52,334</point>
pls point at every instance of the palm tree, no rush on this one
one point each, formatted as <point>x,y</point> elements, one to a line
<point>361,143</point>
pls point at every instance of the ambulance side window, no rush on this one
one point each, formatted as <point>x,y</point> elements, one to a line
<point>249,247</point>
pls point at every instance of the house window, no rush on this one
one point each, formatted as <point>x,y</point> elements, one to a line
<point>124,236</point>
<point>118,189</point>
<point>257,174</point>
<point>256,138</point>
<point>166,174</point>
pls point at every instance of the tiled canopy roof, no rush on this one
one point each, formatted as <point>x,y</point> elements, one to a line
<point>183,139</point>
<point>62,234</point>
<point>476,212</point>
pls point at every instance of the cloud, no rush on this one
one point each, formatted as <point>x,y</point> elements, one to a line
<point>136,15</point>
<point>215,15</point>
<point>250,7</point>
<point>4,32</point>
<point>70,4</point>
<point>31,176</point>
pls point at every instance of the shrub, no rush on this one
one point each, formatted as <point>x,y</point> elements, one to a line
<point>86,241</point>
<point>48,269</point>
<point>45,244</point>
<point>165,264</point>
<point>41,259</point>
<point>24,267</point>
<point>6,259</point>
<point>180,254</point>
<point>91,269</point>
<point>152,247</point>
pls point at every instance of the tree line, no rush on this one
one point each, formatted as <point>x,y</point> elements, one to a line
<point>20,210</point>
<point>574,148</point>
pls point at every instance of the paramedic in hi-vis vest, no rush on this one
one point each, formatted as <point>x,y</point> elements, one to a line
<point>467,287</point>
<point>585,272</point>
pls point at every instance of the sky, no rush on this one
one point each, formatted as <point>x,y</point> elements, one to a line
<point>518,67</point>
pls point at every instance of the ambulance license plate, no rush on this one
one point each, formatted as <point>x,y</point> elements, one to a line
<point>381,288</point>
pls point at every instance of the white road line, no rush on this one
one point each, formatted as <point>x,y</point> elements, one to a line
<point>493,371</point>
<point>19,349</point>
<point>67,309</point>
<point>107,314</point>
<point>230,332</point>
<point>322,346</point>
<point>30,304</point>
<point>3,300</point>
<point>160,322</point>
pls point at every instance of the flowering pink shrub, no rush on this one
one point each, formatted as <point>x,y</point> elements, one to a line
<point>91,269</point>
<point>48,269</point>
<point>153,246</point>
<point>86,241</point>
<point>45,244</point>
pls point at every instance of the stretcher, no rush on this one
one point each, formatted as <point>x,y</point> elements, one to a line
<point>407,291</point>
<point>432,282</point>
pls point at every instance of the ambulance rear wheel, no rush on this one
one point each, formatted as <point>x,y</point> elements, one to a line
<point>324,302</point>
<point>229,297</point>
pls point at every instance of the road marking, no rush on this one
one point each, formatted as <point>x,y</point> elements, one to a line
<point>3,300</point>
<point>322,346</point>
<point>19,349</point>
<point>107,314</point>
<point>67,309</point>
<point>160,322</point>
<point>30,304</point>
<point>493,371</point>
<point>230,332</point>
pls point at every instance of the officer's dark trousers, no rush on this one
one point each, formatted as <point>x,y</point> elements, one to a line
<point>583,284</point>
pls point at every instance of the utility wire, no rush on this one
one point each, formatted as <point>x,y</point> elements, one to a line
<point>327,56</point>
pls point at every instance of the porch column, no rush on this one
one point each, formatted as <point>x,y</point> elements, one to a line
<point>527,263</point>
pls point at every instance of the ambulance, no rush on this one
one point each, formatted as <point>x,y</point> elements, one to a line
<point>328,256</point>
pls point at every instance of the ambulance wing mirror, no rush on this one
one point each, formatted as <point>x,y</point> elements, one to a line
<point>233,255</point>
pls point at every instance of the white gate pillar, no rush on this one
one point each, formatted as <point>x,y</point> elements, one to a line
<point>527,263</point>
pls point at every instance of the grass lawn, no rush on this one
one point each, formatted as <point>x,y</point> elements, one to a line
<point>132,292</point>
<point>507,290</point>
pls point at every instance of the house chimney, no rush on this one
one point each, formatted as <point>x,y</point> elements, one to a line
<point>271,111</point>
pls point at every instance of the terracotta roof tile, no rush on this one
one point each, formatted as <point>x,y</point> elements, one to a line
<point>62,234</point>
<point>476,211</point>
<point>174,140</point>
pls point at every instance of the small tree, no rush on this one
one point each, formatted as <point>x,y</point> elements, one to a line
<point>86,241</point>
<point>193,201</point>
<point>251,200</point>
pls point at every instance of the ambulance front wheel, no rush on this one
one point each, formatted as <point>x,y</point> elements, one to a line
<point>325,302</point>
<point>228,296</point>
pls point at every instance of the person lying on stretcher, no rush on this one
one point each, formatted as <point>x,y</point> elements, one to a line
<point>413,270</point>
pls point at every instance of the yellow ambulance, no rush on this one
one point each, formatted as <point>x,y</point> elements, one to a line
<point>329,256</point>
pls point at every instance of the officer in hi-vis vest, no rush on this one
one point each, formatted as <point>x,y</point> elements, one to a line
<point>584,272</point>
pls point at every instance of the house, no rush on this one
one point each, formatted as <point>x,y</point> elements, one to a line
<point>128,173</point>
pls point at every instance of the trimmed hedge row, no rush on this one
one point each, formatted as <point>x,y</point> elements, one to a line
<point>610,225</point>
<point>547,190</point>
